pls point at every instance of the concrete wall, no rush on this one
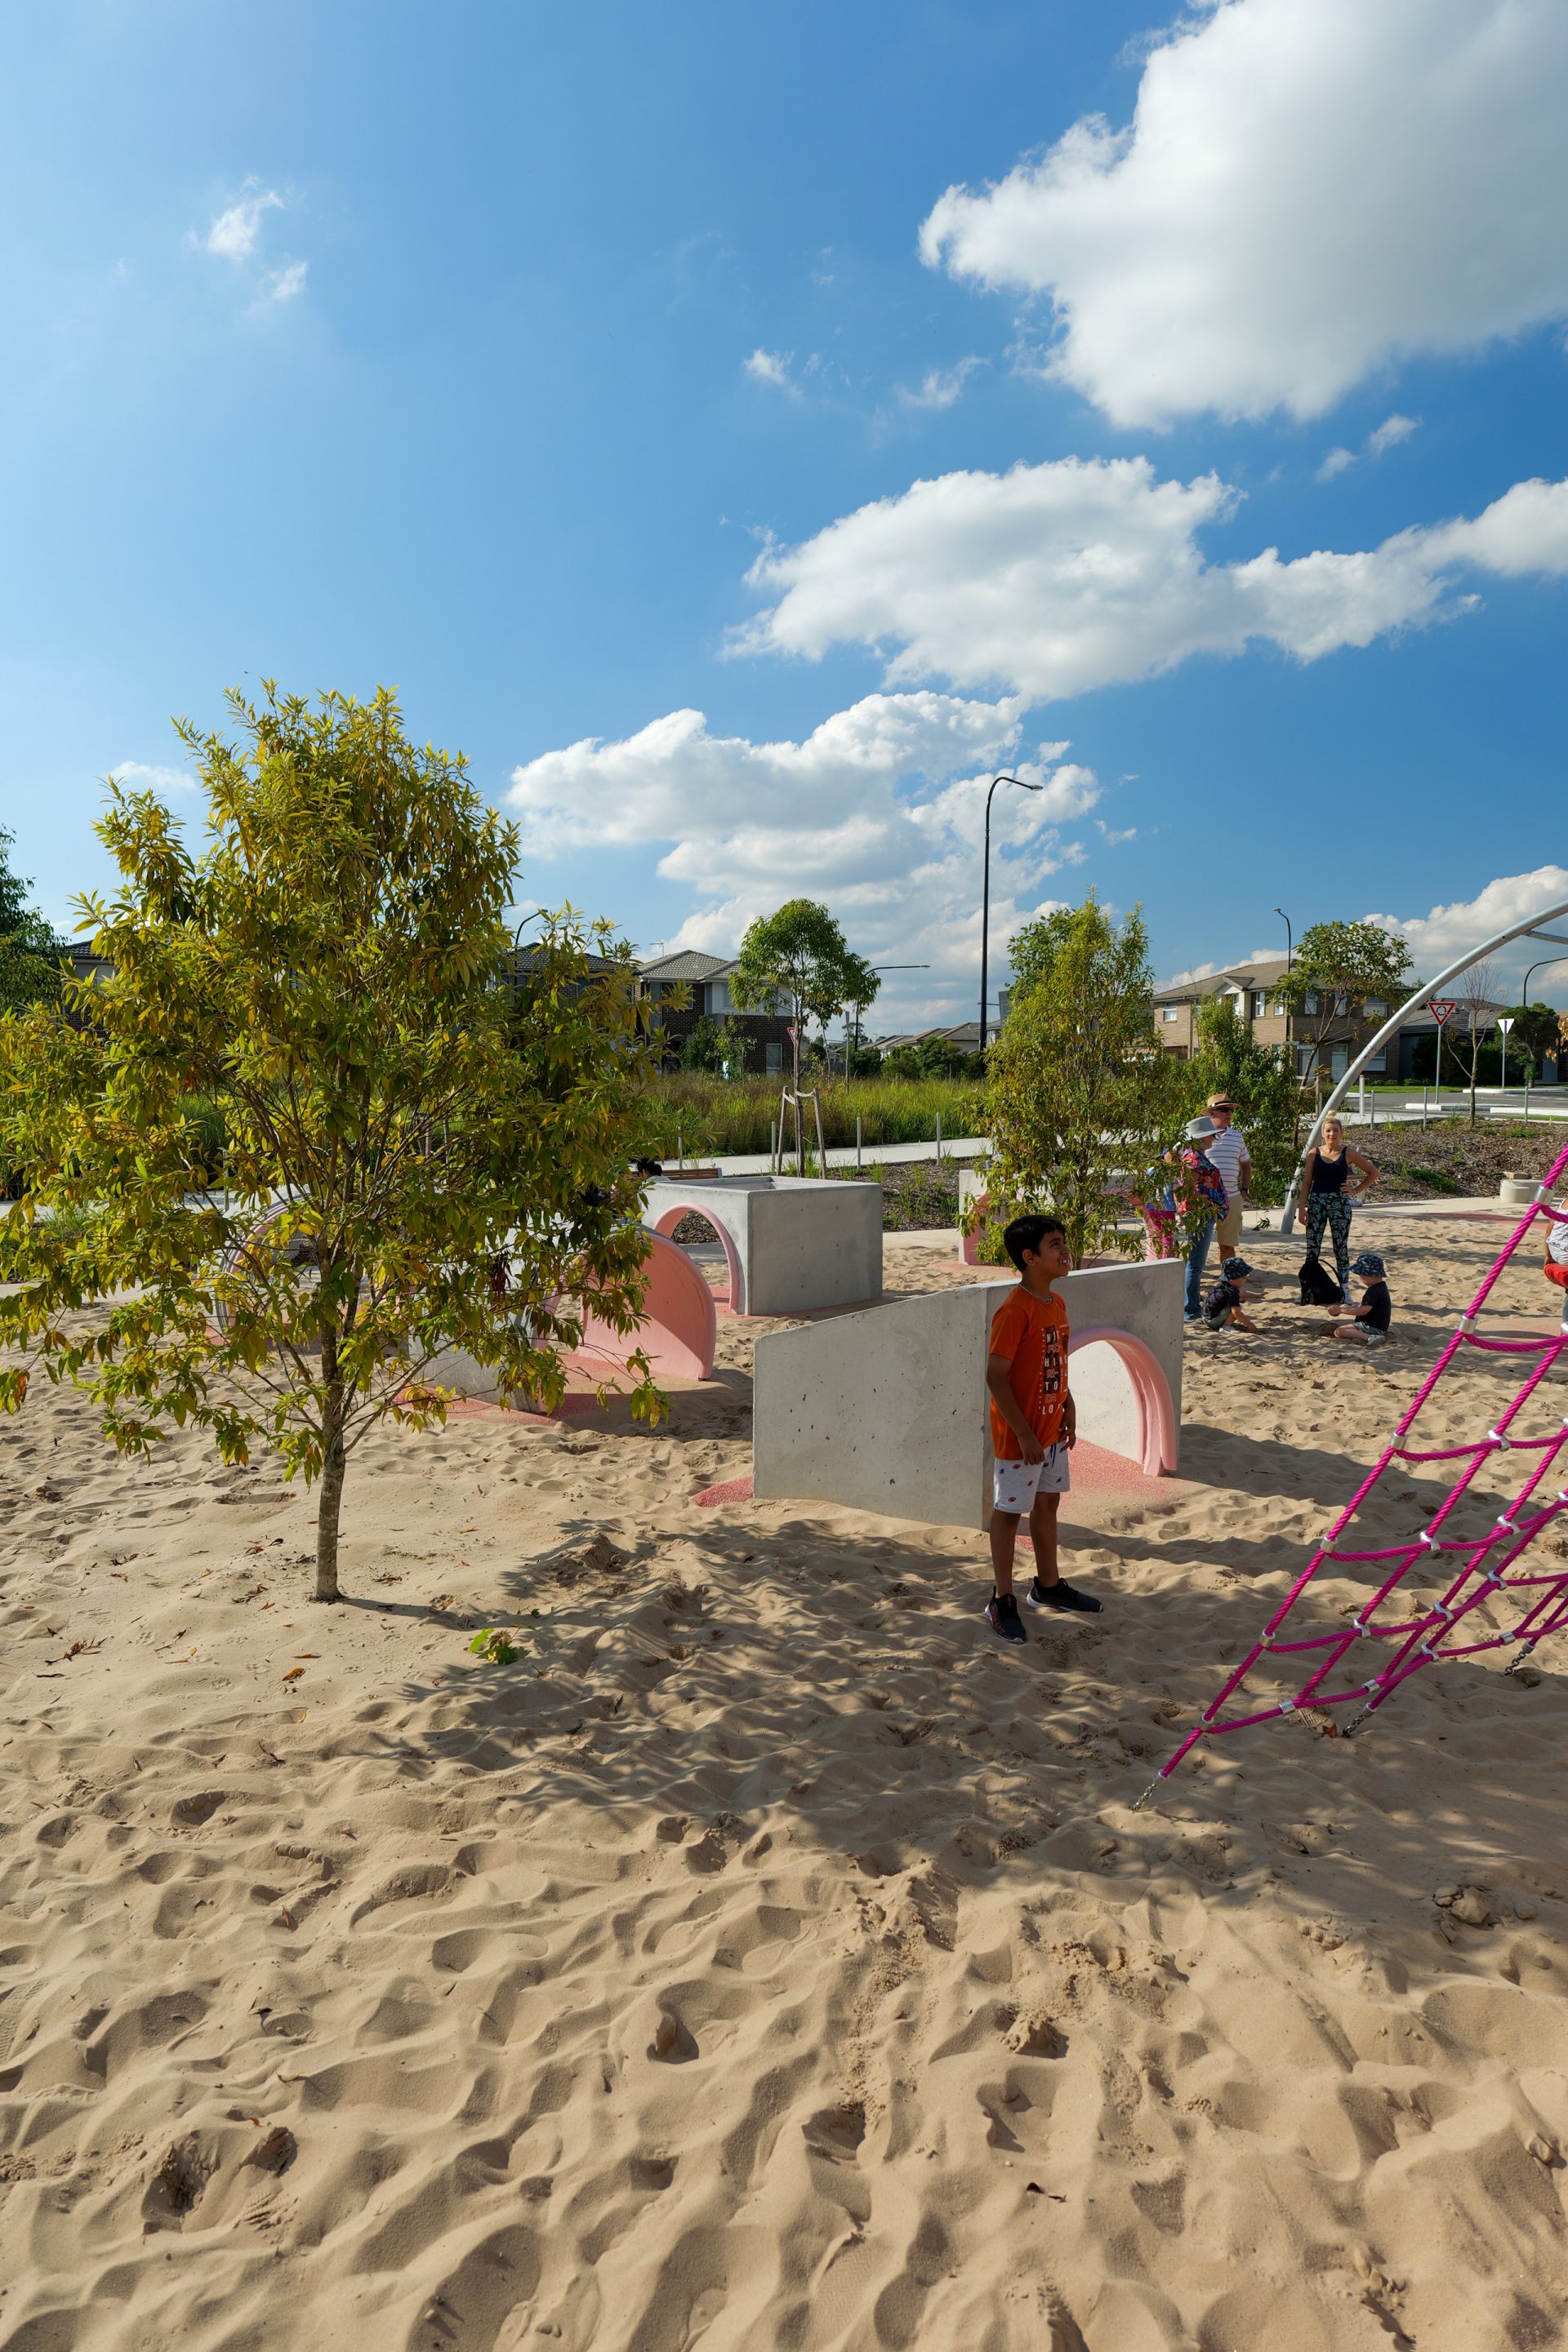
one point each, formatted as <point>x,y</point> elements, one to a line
<point>792,1244</point>
<point>886,1410</point>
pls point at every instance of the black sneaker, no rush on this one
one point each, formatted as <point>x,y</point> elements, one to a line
<point>1002,1616</point>
<point>1063,1596</point>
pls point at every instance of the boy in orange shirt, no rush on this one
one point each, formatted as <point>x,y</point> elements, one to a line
<point>1033,1425</point>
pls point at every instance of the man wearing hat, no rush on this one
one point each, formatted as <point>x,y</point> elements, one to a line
<point>1227,1147</point>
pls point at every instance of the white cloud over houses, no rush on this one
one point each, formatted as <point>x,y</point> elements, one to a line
<point>880,810</point>
<point>1308,190</point>
<point>1436,938</point>
<point>1054,578</point>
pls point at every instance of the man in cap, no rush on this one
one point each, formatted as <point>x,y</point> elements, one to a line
<point>1227,1147</point>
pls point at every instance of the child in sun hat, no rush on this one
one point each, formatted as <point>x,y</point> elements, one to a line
<point>1223,1300</point>
<point>1372,1319</point>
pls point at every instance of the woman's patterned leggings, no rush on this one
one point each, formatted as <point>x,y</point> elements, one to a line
<point>1334,1209</point>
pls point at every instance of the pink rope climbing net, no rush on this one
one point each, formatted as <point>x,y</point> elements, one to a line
<point>1367,1660</point>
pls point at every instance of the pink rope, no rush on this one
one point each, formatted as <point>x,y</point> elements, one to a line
<point>1427,1637</point>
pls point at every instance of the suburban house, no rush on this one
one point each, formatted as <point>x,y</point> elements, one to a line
<point>965,1038</point>
<point>1408,1057</point>
<point>704,980</point>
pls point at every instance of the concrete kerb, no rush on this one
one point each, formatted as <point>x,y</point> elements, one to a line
<point>885,1411</point>
<point>792,1245</point>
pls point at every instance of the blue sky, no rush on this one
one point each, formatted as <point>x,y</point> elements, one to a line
<point>550,365</point>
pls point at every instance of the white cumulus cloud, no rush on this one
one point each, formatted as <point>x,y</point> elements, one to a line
<point>235,233</point>
<point>1386,436</point>
<point>940,387</point>
<point>1390,433</point>
<point>1054,578</point>
<point>283,285</point>
<point>139,777</point>
<point>770,367</point>
<point>235,237</point>
<point>1436,938</point>
<point>881,810</point>
<point>1308,190</point>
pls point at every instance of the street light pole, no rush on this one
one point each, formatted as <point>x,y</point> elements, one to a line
<point>985,891</point>
<point>1289,937</point>
<point>1541,963</point>
<point>880,967</point>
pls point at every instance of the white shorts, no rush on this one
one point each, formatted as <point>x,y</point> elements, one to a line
<point>1015,1485</point>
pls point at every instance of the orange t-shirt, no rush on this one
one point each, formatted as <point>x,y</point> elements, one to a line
<point>1033,1334</point>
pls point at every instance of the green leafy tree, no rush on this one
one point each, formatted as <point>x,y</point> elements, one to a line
<point>1035,947</point>
<point>932,1058</point>
<point>800,952</point>
<point>1078,1092</point>
<point>30,953</point>
<point>717,1047</point>
<point>1534,1034</point>
<point>420,1154</point>
<point>1260,1082</point>
<point>1338,966</point>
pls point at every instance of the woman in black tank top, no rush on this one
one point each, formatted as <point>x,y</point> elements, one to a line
<point>1328,1188</point>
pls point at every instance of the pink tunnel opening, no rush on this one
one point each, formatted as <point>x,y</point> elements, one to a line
<point>733,1295</point>
<point>1151,1394</point>
<point>679,1329</point>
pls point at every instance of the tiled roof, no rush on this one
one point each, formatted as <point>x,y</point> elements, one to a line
<point>687,963</point>
<point>1264,972</point>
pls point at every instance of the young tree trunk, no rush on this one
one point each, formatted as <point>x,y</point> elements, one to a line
<point>798,1024</point>
<point>331,1499</point>
<point>1473,1059</point>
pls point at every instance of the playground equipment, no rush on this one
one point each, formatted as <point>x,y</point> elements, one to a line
<point>1528,929</point>
<point>677,1334</point>
<point>791,1245</point>
<point>1472,1569</point>
<point>886,1411</point>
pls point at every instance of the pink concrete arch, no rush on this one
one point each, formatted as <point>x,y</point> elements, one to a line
<point>679,1329</point>
<point>734,1297</point>
<point>1150,1391</point>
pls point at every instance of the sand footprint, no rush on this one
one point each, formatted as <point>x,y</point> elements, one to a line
<point>837,2133</point>
<point>465,2311</point>
<point>671,2042</point>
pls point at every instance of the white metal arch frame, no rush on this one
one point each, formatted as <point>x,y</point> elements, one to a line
<point>1528,929</point>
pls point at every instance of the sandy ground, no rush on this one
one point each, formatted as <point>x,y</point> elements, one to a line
<point>767,1958</point>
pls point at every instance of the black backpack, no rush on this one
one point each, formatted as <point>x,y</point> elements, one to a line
<point>1319,1288</point>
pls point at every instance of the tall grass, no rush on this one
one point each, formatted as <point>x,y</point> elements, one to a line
<point>704,1117</point>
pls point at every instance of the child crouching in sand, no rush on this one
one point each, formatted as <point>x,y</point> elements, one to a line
<point>1033,1425</point>
<point>1372,1319</point>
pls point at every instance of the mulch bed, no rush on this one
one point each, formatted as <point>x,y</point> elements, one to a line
<point>1453,1158</point>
